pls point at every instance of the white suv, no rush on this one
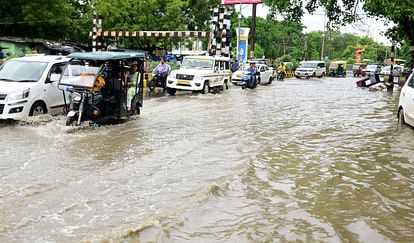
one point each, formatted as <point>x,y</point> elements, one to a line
<point>200,73</point>
<point>309,69</point>
<point>28,86</point>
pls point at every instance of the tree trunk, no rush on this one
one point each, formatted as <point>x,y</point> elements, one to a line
<point>409,31</point>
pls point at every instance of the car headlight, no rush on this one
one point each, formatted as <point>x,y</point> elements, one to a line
<point>198,79</point>
<point>76,97</point>
<point>172,75</point>
<point>18,95</point>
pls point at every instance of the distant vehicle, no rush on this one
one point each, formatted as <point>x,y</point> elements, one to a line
<point>405,110</point>
<point>337,68</point>
<point>265,75</point>
<point>200,73</point>
<point>372,68</point>
<point>309,69</point>
<point>397,70</point>
<point>28,86</point>
<point>358,69</point>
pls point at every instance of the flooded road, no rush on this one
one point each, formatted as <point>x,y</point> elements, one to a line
<point>300,160</point>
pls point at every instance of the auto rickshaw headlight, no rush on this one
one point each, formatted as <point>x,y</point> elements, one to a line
<point>76,97</point>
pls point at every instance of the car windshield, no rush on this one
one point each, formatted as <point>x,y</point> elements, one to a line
<point>245,67</point>
<point>79,74</point>
<point>22,71</point>
<point>197,63</point>
<point>386,69</point>
<point>308,65</point>
<point>372,67</point>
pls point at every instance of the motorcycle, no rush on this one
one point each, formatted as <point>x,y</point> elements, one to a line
<point>158,80</point>
<point>248,81</point>
<point>280,75</point>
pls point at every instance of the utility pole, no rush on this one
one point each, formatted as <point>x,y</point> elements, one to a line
<point>253,31</point>
<point>390,85</point>
<point>323,37</point>
<point>305,53</point>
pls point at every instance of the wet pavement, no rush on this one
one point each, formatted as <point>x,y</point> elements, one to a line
<point>298,160</point>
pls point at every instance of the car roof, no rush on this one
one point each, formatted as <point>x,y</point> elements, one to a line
<point>209,57</point>
<point>313,62</point>
<point>107,55</point>
<point>42,58</point>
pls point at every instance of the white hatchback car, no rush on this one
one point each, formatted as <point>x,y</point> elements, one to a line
<point>28,86</point>
<point>406,102</point>
<point>266,74</point>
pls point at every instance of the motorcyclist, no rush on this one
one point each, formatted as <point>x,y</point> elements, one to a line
<point>252,71</point>
<point>282,70</point>
<point>162,70</point>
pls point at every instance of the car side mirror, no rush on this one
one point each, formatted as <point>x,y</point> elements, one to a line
<point>54,77</point>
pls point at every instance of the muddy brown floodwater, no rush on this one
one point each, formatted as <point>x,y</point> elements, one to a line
<point>300,160</point>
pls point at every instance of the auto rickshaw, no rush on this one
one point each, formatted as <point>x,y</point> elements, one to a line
<point>337,68</point>
<point>358,69</point>
<point>105,87</point>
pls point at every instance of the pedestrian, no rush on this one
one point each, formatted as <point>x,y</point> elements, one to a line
<point>234,66</point>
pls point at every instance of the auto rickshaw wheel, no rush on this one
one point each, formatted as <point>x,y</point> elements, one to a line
<point>71,120</point>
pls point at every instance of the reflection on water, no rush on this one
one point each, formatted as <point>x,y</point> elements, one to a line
<point>300,160</point>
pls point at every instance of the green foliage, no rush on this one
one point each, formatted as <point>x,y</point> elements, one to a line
<point>258,51</point>
<point>54,20</point>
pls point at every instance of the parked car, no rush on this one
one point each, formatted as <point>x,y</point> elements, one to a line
<point>397,70</point>
<point>405,110</point>
<point>200,73</point>
<point>28,86</point>
<point>372,68</point>
<point>311,69</point>
<point>265,76</point>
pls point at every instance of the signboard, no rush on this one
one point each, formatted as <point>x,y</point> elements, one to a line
<point>243,44</point>
<point>241,1</point>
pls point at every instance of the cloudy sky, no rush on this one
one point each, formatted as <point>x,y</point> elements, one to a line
<point>368,26</point>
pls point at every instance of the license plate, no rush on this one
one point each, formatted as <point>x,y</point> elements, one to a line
<point>183,82</point>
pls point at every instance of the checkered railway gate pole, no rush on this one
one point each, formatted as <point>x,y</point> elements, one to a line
<point>219,43</point>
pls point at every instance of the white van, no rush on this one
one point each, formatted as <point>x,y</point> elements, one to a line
<point>311,69</point>
<point>28,86</point>
<point>200,73</point>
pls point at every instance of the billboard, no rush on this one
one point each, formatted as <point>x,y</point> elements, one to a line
<point>241,1</point>
<point>243,44</point>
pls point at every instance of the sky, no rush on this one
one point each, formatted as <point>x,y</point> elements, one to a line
<point>369,27</point>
